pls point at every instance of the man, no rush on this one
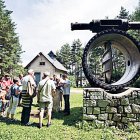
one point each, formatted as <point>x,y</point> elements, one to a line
<point>57,100</point>
<point>66,94</point>
<point>26,98</point>
<point>46,90</point>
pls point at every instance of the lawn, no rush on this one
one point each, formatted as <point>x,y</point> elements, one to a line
<point>63,127</point>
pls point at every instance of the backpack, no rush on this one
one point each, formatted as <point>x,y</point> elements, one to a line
<point>8,96</point>
<point>10,93</point>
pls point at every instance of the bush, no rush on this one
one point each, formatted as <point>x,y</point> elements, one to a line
<point>72,79</point>
<point>136,83</point>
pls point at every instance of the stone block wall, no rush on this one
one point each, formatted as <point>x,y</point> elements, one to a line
<point>112,109</point>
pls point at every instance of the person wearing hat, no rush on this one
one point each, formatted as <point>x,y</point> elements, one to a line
<point>45,91</point>
<point>15,92</point>
<point>26,98</point>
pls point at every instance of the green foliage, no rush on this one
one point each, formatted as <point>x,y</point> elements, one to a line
<point>72,79</point>
<point>10,48</point>
<point>124,14</point>
<point>136,83</point>
<point>70,55</point>
<point>136,34</point>
<point>76,51</point>
<point>63,55</point>
<point>95,60</point>
<point>135,16</point>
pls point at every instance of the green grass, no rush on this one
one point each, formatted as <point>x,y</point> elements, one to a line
<point>63,127</point>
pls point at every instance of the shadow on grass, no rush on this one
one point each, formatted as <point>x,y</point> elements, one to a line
<point>74,117</point>
<point>35,105</point>
<point>70,120</point>
<point>8,121</point>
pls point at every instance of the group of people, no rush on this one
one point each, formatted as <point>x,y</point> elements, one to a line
<point>5,84</point>
<point>49,92</point>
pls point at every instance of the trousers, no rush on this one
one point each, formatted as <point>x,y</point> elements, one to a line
<point>25,116</point>
<point>67,103</point>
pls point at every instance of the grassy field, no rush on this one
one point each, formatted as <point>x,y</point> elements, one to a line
<point>63,127</point>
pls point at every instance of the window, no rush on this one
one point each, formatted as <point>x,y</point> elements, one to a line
<point>41,63</point>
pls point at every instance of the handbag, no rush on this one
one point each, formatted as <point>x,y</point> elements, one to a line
<point>30,89</point>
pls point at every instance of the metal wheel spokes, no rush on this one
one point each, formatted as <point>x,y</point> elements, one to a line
<point>111,60</point>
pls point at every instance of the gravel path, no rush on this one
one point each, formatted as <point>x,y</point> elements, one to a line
<point>80,91</point>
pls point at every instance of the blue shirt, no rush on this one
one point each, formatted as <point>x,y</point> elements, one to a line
<point>14,89</point>
<point>66,87</point>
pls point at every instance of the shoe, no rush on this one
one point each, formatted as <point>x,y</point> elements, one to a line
<point>28,124</point>
<point>60,111</point>
<point>13,120</point>
<point>49,124</point>
<point>39,126</point>
<point>64,111</point>
<point>22,124</point>
<point>66,114</point>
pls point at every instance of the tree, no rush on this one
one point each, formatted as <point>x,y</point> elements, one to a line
<point>71,57</point>
<point>76,51</point>
<point>135,16</point>
<point>117,57</point>
<point>136,34</point>
<point>76,55</point>
<point>63,55</point>
<point>124,14</point>
<point>10,48</point>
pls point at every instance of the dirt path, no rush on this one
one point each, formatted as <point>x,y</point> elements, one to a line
<point>80,91</point>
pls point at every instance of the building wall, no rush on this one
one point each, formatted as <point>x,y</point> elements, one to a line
<point>59,73</point>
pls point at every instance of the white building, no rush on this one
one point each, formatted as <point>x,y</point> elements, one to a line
<point>42,63</point>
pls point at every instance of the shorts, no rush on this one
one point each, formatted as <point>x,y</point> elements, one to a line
<point>60,95</point>
<point>44,105</point>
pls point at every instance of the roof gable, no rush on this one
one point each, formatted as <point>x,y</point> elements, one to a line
<point>52,60</point>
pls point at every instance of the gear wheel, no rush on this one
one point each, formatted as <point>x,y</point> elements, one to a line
<point>129,47</point>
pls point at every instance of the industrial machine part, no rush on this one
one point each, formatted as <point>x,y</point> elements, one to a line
<point>111,35</point>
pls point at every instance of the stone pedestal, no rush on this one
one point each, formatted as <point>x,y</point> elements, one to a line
<point>112,109</point>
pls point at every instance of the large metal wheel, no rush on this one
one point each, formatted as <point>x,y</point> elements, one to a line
<point>127,46</point>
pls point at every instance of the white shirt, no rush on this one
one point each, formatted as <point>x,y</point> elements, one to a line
<point>25,81</point>
<point>45,95</point>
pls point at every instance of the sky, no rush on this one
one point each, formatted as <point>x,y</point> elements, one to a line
<point>45,25</point>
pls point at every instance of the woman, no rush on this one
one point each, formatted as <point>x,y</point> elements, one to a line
<point>15,92</point>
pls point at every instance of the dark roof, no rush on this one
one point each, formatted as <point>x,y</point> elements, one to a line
<point>52,55</point>
<point>52,60</point>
